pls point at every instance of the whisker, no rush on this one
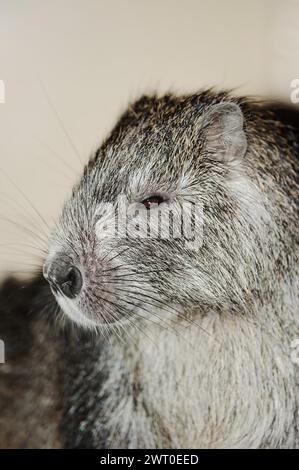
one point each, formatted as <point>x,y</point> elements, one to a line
<point>155,271</point>
<point>58,156</point>
<point>118,254</point>
<point>26,199</point>
<point>141,307</point>
<point>26,245</point>
<point>55,112</point>
<point>24,228</point>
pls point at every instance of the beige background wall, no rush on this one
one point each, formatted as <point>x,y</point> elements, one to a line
<point>71,66</point>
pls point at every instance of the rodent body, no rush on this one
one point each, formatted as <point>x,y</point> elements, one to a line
<point>200,355</point>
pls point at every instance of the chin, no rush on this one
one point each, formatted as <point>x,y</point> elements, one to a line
<point>87,320</point>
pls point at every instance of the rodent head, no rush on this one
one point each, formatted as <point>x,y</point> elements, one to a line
<point>166,155</point>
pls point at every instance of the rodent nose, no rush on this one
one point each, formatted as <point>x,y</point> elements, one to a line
<point>66,279</point>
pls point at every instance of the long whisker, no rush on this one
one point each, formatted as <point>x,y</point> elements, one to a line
<point>171,309</point>
<point>23,227</point>
<point>127,317</point>
<point>155,271</point>
<point>118,254</point>
<point>54,110</point>
<point>17,205</point>
<point>26,199</point>
<point>141,307</point>
<point>26,245</point>
<point>58,156</point>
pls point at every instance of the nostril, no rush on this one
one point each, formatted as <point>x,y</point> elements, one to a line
<point>70,282</point>
<point>66,279</point>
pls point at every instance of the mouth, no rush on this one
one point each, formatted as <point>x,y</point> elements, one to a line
<point>73,313</point>
<point>88,296</point>
<point>87,317</point>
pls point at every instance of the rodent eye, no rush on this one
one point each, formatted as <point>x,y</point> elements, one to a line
<point>156,199</point>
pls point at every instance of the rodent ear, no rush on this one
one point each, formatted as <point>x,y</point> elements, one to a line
<point>223,132</point>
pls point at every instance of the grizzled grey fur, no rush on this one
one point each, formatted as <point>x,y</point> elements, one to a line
<point>200,354</point>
